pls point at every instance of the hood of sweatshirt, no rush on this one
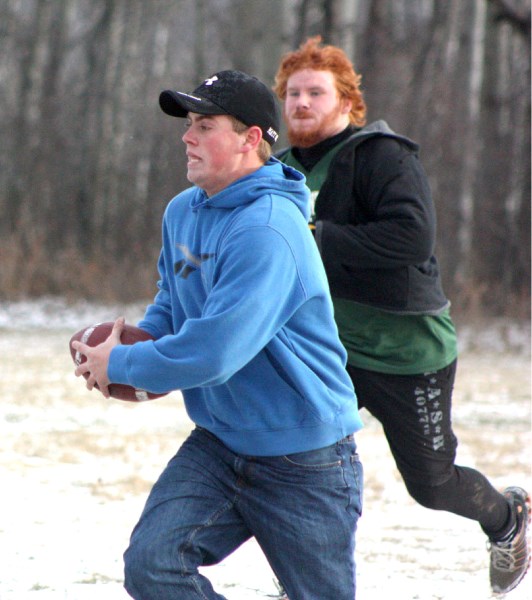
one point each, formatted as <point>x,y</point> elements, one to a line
<point>273,177</point>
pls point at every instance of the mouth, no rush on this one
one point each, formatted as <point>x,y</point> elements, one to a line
<point>302,122</point>
<point>302,119</point>
<point>192,159</point>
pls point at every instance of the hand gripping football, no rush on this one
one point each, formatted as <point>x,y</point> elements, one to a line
<point>96,334</point>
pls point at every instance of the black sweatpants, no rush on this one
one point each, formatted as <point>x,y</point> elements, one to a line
<point>415,412</point>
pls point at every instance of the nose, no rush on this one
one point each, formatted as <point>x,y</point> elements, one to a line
<point>303,100</point>
<point>187,137</point>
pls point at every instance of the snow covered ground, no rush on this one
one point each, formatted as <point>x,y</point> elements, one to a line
<point>76,469</point>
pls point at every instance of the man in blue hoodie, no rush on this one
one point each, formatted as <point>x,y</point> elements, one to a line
<point>243,325</point>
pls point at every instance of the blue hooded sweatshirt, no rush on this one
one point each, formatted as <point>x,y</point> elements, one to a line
<point>243,320</point>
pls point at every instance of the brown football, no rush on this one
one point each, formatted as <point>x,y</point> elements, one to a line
<point>98,333</point>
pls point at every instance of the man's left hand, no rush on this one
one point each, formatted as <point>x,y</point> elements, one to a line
<point>97,361</point>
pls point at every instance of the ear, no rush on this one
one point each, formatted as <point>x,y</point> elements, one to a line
<point>346,105</point>
<point>252,138</point>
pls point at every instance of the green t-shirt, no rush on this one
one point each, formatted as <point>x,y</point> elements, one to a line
<point>393,343</point>
<point>383,341</point>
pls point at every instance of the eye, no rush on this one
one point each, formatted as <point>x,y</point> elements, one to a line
<point>202,126</point>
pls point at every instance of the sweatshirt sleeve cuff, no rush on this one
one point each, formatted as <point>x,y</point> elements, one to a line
<point>117,367</point>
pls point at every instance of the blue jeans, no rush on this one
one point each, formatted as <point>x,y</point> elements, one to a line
<point>301,508</point>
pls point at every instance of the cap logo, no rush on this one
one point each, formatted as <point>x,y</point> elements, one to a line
<point>273,134</point>
<point>211,80</point>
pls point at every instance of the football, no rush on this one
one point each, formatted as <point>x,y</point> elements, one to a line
<point>96,334</point>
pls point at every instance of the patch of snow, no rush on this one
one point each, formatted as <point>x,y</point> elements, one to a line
<point>76,470</point>
<point>52,312</point>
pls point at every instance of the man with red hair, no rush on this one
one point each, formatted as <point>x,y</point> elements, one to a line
<point>374,223</point>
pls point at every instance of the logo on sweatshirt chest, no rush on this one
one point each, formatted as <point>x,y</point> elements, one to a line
<point>184,267</point>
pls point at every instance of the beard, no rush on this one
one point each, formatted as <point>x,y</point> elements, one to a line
<point>304,139</point>
<point>310,137</point>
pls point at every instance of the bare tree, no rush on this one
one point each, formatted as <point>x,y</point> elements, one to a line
<point>89,161</point>
<point>454,76</point>
<point>500,259</point>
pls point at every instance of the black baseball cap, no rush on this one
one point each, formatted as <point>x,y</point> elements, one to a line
<point>231,93</point>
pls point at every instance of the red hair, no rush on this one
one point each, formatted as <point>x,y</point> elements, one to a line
<point>311,55</point>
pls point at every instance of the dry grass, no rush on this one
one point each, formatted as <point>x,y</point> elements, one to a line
<point>32,269</point>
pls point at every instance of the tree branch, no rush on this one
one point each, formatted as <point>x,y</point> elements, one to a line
<point>519,20</point>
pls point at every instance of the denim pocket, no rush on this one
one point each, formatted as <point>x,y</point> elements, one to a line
<point>322,458</point>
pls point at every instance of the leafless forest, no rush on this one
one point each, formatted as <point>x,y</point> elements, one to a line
<point>88,161</point>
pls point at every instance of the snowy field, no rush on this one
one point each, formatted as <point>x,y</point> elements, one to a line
<point>76,468</point>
